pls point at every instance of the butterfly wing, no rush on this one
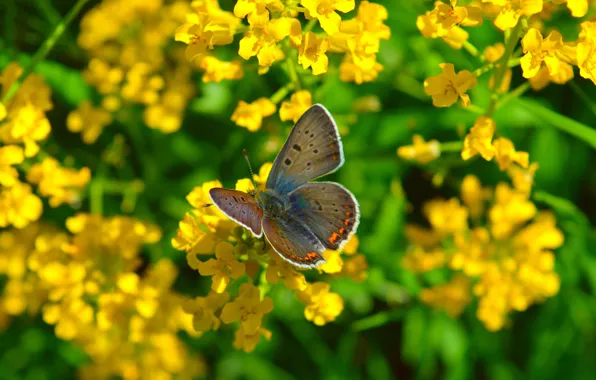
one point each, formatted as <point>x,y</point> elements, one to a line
<point>240,207</point>
<point>329,210</point>
<point>294,241</point>
<point>313,149</point>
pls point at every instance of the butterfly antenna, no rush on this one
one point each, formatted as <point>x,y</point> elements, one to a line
<point>252,174</point>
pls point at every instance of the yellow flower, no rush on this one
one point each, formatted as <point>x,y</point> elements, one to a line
<point>454,36</point>
<point>473,195</point>
<point>494,52</point>
<point>88,120</point>
<point>324,11</point>
<point>250,115</point>
<point>10,155</point>
<point>578,8</point>
<point>505,154</point>
<point>479,140</point>
<point>511,209</point>
<point>299,102</point>
<point>322,306</point>
<point>216,70</point>
<point>60,185</point>
<point>538,50</point>
<point>279,269</point>
<point>18,206</point>
<point>511,10</point>
<point>361,72</point>
<point>222,268</point>
<point>446,16</point>
<point>262,42</point>
<point>452,297</point>
<point>312,53</point>
<point>445,88</point>
<point>446,217</point>
<point>248,308</point>
<point>586,51</point>
<point>419,260</point>
<point>257,10</point>
<point>543,77</point>
<point>203,310</point>
<point>421,151</point>
<point>247,342</point>
<point>201,32</point>
<point>523,179</point>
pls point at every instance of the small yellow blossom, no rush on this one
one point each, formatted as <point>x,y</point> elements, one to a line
<point>203,310</point>
<point>299,102</point>
<point>10,155</point>
<point>578,8</point>
<point>445,88</point>
<point>454,36</point>
<point>365,71</point>
<point>250,115</point>
<point>216,70</point>
<point>418,260</point>
<point>474,196</point>
<point>586,51</point>
<point>543,77</point>
<point>324,11</point>
<point>222,268</point>
<point>511,209</point>
<point>446,16</point>
<point>479,140</point>
<point>505,154</point>
<point>247,342</point>
<point>523,179</point>
<point>452,297</point>
<point>60,185</point>
<point>279,269</point>
<point>257,10</point>
<point>511,10</point>
<point>421,151</point>
<point>538,50</point>
<point>19,206</point>
<point>312,53</point>
<point>494,52</point>
<point>248,308</point>
<point>201,32</point>
<point>322,306</point>
<point>88,120</point>
<point>446,217</point>
<point>262,42</point>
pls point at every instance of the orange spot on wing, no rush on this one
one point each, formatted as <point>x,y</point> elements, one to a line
<point>347,222</point>
<point>334,237</point>
<point>342,230</point>
<point>348,213</point>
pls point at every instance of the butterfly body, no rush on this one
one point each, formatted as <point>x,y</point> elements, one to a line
<point>300,219</point>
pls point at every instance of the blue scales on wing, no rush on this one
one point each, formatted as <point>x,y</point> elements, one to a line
<point>330,211</point>
<point>312,150</point>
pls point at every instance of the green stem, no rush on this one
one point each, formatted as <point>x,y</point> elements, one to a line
<point>281,93</point>
<point>45,48</point>
<point>309,26</point>
<point>512,39</point>
<point>96,196</point>
<point>519,91</point>
<point>378,320</point>
<point>473,50</point>
<point>293,73</point>
<point>452,146</point>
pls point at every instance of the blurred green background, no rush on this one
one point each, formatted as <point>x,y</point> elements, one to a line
<point>384,331</point>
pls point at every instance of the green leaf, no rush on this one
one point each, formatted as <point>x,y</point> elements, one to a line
<point>555,119</point>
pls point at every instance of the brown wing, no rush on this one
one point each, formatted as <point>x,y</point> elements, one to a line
<point>240,207</point>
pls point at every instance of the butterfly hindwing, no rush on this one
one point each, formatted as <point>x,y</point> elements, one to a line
<point>240,207</point>
<point>294,241</point>
<point>329,210</point>
<point>313,149</point>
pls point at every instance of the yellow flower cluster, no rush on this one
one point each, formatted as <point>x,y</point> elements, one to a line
<point>507,264</point>
<point>544,58</point>
<point>243,259</point>
<point>132,64</point>
<point>23,126</point>
<point>275,34</point>
<point>87,282</point>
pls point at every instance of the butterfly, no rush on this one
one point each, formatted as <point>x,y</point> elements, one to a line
<point>300,219</point>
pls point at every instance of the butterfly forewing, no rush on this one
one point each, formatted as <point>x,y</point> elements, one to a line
<point>240,207</point>
<point>313,149</point>
<point>329,210</point>
<point>294,241</point>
